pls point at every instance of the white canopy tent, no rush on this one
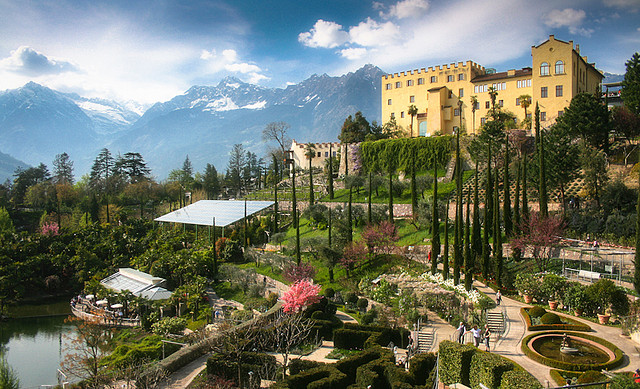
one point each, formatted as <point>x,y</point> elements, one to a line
<point>224,212</point>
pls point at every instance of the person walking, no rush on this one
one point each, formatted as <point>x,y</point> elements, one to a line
<point>461,331</point>
<point>487,338</point>
<point>477,335</point>
<point>498,297</point>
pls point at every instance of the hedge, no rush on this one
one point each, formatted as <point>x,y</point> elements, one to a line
<point>399,336</point>
<point>487,368</point>
<point>220,365</point>
<point>381,373</point>
<point>421,366</point>
<point>376,155</point>
<point>455,361</point>
<point>574,326</point>
<point>321,377</point>
<point>350,364</point>
<point>322,329</point>
<point>619,355</point>
<point>297,365</point>
<point>350,339</point>
<point>518,379</point>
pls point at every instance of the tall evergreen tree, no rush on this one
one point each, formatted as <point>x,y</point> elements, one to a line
<point>296,222</point>
<point>468,256</point>
<point>276,178</point>
<point>631,84</point>
<point>445,254</point>
<point>542,184</point>
<point>488,200</point>
<point>476,234</point>
<point>486,231</point>
<point>508,223</point>
<point>390,189</point>
<point>235,168</point>
<point>99,178</point>
<point>525,200</point>
<point>310,154</point>
<point>350,216</point>
<point>497,238</point>
<point>457,234</point>
<point>516,211</point>
<point>330,178</point>
<point>211,182</point>
<point>435,218</point>
<point>63,169</point>
<point>414,194</point>
<point>369,195</point>
<point>636,261</point>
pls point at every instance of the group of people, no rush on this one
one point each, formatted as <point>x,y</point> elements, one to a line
<point>478,335</point>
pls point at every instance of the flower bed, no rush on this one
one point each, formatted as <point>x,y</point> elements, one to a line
<point>573,325</point>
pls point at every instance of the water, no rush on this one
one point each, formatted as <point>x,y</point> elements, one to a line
<point>549,346</point>
<point>34,348</point>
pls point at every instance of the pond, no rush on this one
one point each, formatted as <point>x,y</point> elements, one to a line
<point>549,346</point>
<point>34,348</point>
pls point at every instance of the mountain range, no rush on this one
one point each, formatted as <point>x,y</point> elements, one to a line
<point>36,122</point>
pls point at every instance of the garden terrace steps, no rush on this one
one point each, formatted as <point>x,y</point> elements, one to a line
<point>495,321</point>
<point>426,340</point>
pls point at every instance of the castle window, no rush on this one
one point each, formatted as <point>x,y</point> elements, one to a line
<point>409,82</point>
<point>543,116</point>
<point>461,77</point>
<point>393,115</point>
<point>398,84</point>
<point>544,92</point>
<point>412,99</point>
<point>434,79</point>
<point>456,112</point>
<point>560,113</point>
<point>483,121</point>
<point>450,94</point>
<point>477,105</point>
<point>326,154</point>
<point>389,102</point>
<point>501,103</point>
<point>335,153</point>
<point>450,78</point>
<point>544,69</point>
<point>518,99</point>
<point>420,81</point>
<point>524,83</point>
<point>461,92</point>
<point>559,67</point>
<point>558,90</point>
<point>402,114</point>
<point>388,86</point>
<point>319,154</point>
<point>487,104</point>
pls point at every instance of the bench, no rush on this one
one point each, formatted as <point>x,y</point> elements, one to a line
<point>588,275</point>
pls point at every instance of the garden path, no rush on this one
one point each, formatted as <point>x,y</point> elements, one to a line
<point>509,344</point>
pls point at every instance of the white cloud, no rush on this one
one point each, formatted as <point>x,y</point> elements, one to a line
<point>371,33</point>
<point>207,54</point>
<point>353,53</point>
<point>568,17</point>
<point>632,5</point>
<point>230,55</point>
<point>324,34</point>
<point>29,62</point>
<point>255,78</point>
<point>407,9</point>
<point>229,61</point>
<point>243,67</point>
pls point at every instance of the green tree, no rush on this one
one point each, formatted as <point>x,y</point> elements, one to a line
<point>588,118</point>
<point>542,171</point>
<point>476,238</point>
<point>310,153</point>
<point>412,111</point>
<point>134,168</point>
<point>508,223</point>
<point>594,165</point>
<point>631,84</point>
<point>457,235</point>
<point>493,94</point>
<point>497,238</point>
<point>24,179</point>
<point>525,102</point>
<point>525,201</point>
<point>235,168</point>
<point>8,377</point>
<point>445,254</point>
<point>626,124</point>
<point>211,182</point>
<point>435,227</point>
<point>6,224</point>
<point>468,256</point>
<point>636,261</point>
<point>474,105</point>
<point>354,129</point>
<point>63,169</point>
<point>276,178</point>
<point>329,162</point>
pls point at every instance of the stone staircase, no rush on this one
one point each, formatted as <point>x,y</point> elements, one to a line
<point>426,340</point>
<point>495,321</point>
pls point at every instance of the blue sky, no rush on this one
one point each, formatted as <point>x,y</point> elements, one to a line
<point>149,51</point>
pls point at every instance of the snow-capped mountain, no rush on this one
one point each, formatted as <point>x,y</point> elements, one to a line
<point>36,123</point>
<point>206,121</point>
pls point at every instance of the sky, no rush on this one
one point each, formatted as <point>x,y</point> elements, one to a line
<point>149,51</point>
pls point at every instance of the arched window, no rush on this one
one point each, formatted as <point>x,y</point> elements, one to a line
<point>559,67</point>
<point>544,69</point>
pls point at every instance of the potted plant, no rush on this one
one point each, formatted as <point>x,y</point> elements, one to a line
<point>608,298</point>
<point>552,288</point>
<point>528,285</point>
<point>576,297</point>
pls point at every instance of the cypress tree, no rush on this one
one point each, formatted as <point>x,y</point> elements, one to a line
<point>435,228</point>
<point>390,191</point>
<point>329,226</point>
<point>330,171</point>
<point>296,224</point>
<point>468,258</point>
<point>508,224</point>
<point>311,194</point>
<point>215,254</point>
<point>445,255</point>
<point>516,212</point>
<point>414,195</point>
<point>525,201</point>
<point>476,237</point>
<point>350,216</point>
<point>542,190</point>
<point>488,199</point>
<point>457,234</point>
<point>275,193</point>
<point>369,217</point>
<point>488,203</point>
<point>497,239</point>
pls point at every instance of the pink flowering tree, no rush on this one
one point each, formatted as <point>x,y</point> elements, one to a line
<point>380,238</point>
<point>301,294</point>
<point>294,273</point>
<point>540,235</point>
<point>50,229</point>
<point>353,254</point>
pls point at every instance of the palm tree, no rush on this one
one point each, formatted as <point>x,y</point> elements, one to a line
<point>474,103</point>
<point>310,152</point>
<point>525,102</point>
<point>413,111</point>
<point>493,93</point>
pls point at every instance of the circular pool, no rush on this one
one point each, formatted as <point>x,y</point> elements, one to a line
<point>583,352</point>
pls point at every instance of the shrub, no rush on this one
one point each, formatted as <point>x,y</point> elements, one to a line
<point>519,379</point>
<point>297,365</point>
<point>350,339</point>
<point>537,311</point>
<point>349,365</point>
<point>169,325</point>
<point>325,376</point>
<point>488,369</point>
<point>550,318</point>
<point>576,296</point>
<point>553,286</point>
<point>421,366</point>
<point>455,361</point>
<point>592,376</point>
<point>222,366</point>
<point>362,304</point>
<point>329,292</point>
<point>351,298</point>
<point>568,324</point>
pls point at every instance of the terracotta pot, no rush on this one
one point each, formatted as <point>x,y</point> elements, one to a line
<point>603,319</point>
<point>528,299</point>
<point>578,312</point>
<point>553,305</point>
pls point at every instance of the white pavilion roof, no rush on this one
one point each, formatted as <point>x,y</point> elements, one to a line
<point>225,212</point>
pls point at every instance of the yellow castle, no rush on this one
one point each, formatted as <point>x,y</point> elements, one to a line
<point>557,73</point>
